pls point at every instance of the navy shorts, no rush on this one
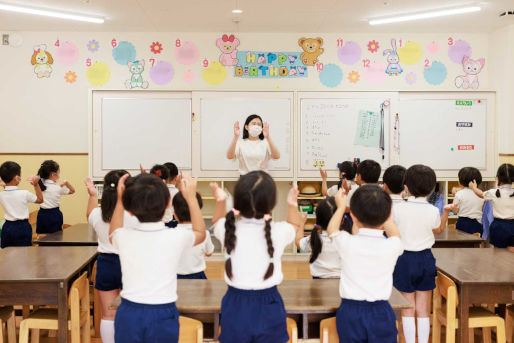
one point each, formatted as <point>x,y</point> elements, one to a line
<point>16,234</point>
<point>199,275</point>
<point>366,322</point>
<point>257,316</point>
<point>49,220</point>
<point>415,271</point>
<point>469,225</point>
<point>108,272</point>
<point>501,233</point>
<point>138,323</point>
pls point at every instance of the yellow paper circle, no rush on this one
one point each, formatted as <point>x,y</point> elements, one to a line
<point>214,74</point>
<point>410,53</point>
<point>98,74</point>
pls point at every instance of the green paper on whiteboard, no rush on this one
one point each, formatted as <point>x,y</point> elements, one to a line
<point>368,129</point>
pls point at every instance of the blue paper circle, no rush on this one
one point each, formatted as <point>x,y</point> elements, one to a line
<point>124,53</point>
<point>331,75</point>
<point>436,73</point>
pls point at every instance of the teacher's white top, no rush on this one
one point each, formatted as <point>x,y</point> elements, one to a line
<point>252,155</point>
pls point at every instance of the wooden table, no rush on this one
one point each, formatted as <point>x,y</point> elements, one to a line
<point>302,297</point>
<point>76,235</point>
<point>42,276</point>
<point>484,276</point>
<point>453,238</point>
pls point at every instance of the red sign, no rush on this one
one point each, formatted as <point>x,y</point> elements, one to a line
<point>466,147</point>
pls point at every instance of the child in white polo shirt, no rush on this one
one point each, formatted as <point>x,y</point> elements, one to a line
<point>393,183</point>
<point>149,256</point>
<point>17,231</point>
<point>469,205</point>
<point>192,263</point>
<point>368,260</point>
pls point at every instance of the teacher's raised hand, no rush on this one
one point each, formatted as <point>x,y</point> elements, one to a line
<point>265,130</point>
<point>237,130</point>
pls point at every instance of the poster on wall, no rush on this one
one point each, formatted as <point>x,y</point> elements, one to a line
<point>266,64</point>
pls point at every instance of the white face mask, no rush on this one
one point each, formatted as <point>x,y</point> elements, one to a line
<point>255,130</point>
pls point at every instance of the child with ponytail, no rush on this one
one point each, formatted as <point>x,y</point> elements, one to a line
<point>49,217</point>
<point>502,228</point>
<point>325,261</point>
<point>252,310</point>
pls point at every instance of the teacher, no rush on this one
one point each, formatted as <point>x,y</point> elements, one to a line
<point>255,149</point>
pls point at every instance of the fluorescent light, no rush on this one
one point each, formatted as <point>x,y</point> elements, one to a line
<point>425,15</point>
<point>53,14</point>
<point>237,11</point>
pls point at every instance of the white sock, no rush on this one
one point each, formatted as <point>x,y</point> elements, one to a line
<point>107,331</point>
<point>409,329</point>
<point>423,330</point>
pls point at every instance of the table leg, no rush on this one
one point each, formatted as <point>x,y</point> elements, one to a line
<point>62,298</point>
<point>464,314</point>
<point>305,325</point>
<point>216,325</point>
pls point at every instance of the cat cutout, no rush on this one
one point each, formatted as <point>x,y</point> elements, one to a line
<point>136,68</point>
<point>471,68</point>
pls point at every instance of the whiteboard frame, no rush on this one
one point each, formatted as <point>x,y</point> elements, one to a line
<point>96,171</point>
<point>492,158</point>
<point>332,172</point>
<point>197,134</point>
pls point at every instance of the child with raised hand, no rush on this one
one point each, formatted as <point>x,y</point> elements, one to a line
<point>347,171</point>
<point>415,271</point>
<point>325,261</point>
<point>149,256</point>
<point>252,310</point>
<point>469,205</point>
<point>16,231</point>
<point>192,263</point>
<point>501,231</point>
<point>49,216</point>
<point>368,261</point>
<point>108,270</point>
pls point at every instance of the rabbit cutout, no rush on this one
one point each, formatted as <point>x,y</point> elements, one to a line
<point>393,60</point>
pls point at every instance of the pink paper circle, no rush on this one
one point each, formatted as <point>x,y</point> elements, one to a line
<point>67,54</point>
<point>458,50</point>
<point>349,53</point>
<point>187,53</point>
<point>188,76</point>
<point>375,73</point>
<point>162,73</point>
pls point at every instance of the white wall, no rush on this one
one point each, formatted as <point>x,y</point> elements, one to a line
<point>50,115</point>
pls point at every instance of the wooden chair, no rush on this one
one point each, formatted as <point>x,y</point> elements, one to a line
<point>509,322</point>
<point>328,331</point>
<point>446,314</point>
<point>46,318</point>
<point>191,330</point>
<point>7,316</point>
<point>97,305</point>
<point>292,330</point>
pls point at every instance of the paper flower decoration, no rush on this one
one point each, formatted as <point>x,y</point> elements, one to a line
<point>354,77</point>
<point>70,77</point>
<point>373,46</point>
<point>189,76</point>
<point>411,78</point>
<point>156,47</point>
<point>433,47</point>
<point>93,45</point>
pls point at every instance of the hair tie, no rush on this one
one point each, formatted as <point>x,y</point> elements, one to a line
<point>227,256</point>
<point>267,217</point>
<point>271,260</point>
<point>158,173</point>
<point>112,185</point>
<point>236,212</point>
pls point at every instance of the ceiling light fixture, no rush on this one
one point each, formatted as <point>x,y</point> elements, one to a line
<point>237,11</point>
<point>425,15</point>
<point>53,14</point>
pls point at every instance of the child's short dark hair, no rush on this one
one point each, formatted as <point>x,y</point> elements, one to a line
<point>173,170</point>
<point>147,197</point>
<point>9,170</point>
<point>182,209</point>
<point>420,180</point>
<point>371,205</point>
<point>161,171</point>
<point>393,178</point>
<point>348,169</point>
<point>468,174</point>
<point>369,171</point>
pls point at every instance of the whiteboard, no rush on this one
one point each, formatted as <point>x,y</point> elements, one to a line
<point>219,111</point>
<point>445,134</point>
<point>329,129</point>
<point>130,129</point>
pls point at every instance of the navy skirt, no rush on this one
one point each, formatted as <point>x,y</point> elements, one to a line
<point>501,233</point>
<point>469,225</point>
<point>49,220</point>
<point>16,233</point>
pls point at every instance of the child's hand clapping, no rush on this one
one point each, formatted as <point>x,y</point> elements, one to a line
<point>33,180</point>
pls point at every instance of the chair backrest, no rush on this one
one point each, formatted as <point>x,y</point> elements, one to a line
<point>79,293</point>
<point>93,273</point>
<point>191,330</point>
<point>446,288</point>
<point>292,330</point>
<point>328,331</point>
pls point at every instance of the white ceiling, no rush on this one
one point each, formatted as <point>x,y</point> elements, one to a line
<point>259,15</point>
